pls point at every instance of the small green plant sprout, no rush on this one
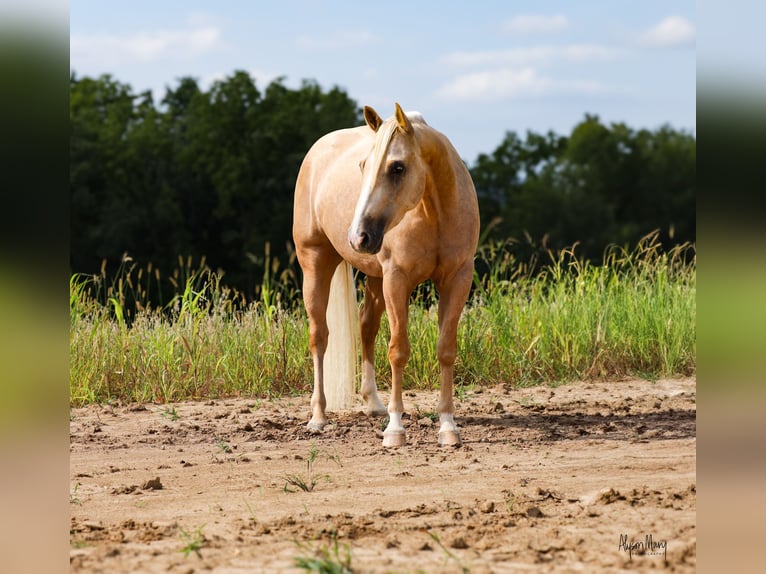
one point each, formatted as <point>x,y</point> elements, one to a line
<point>325,559</point>
<point>223,445</point>
<point>461,391</point>
<point>73,499</point>
<point>334,457</point>
<point>170,412</point>
<point>433,415</point>
<point>447,554</point>
<point>253,517</point>
<point>194,541</point>
<point>257,404</point>
<point>510,498</point>
<point>527,401</point>
<point>308,481</point>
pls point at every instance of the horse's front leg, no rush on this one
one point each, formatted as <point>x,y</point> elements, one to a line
<point>396,292</point>
<point>453,294</point>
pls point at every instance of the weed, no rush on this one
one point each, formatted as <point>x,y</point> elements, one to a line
<point>509,500</point>
<point>461,391</point>
<point>73,499</point>
<point>325,560</point>
<point>334,457</point>
<point>223,446</point>
<point>526,402</point>
<point>257,404</point>
<point>433,415</point>
<point>170,412</point>
<point>308,481</point>
<point>253,517</point>
<point>194,541</point>
<point>447,554</point>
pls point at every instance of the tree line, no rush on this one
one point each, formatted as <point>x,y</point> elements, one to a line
<point>212,172</point>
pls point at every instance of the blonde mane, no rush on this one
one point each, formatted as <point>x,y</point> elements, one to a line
<point>416,117</point>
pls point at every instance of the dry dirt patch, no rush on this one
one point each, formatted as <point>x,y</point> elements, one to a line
<point>581,477</point>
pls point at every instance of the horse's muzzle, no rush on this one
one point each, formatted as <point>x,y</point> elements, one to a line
<point>368,237</point>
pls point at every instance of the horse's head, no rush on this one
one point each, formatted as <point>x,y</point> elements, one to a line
<point>393,179</point>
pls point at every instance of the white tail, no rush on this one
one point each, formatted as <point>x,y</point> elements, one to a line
<point>341,363</point>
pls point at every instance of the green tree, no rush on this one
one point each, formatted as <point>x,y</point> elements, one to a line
<point>602,184</point>
<point>204,173</point>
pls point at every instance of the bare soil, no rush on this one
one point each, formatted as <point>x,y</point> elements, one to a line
<point>584,477</point>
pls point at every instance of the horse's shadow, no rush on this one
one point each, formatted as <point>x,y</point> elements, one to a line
<point>672,424</point>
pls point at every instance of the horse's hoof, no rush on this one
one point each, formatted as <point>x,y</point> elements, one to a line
<point>315,427</point>
<point>394,438</point>
<point>375,411</point>
<point>450,438</point>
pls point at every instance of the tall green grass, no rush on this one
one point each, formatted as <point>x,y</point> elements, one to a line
<point>207,341</point>
<point>633,315</point>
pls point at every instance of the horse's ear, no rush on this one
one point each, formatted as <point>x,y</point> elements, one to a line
<point>403,120</point>
<point>372,118</point>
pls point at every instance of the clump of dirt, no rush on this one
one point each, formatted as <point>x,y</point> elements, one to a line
<point>584,476</point>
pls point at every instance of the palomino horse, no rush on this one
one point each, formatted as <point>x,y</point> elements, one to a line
<point>394,200</point>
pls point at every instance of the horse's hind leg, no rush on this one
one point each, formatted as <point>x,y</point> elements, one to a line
<point>318,268</point>
<point>369,316</point>
<point>452,297</point>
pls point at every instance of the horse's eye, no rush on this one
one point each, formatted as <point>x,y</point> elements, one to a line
<point>396,168</point>
<point>361,165</point>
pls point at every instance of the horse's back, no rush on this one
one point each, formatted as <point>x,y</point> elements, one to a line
<point>327,180</point>
<point>329,154</point>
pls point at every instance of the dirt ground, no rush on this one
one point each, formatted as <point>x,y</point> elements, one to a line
<point>582,477</point>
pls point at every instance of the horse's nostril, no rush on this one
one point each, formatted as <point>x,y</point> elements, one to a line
<point>359,240</point>
<point>366,238</point>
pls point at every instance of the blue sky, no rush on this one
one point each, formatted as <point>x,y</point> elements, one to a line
<point>474,69</point>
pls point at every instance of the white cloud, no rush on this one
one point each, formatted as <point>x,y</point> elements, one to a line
<point>515,73</point>
<point>534,55</point>
<point>506,83</point>
<point>143,46</point>
<point>671,32</point>
<point>528,24</point>
<point>339,41</point>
